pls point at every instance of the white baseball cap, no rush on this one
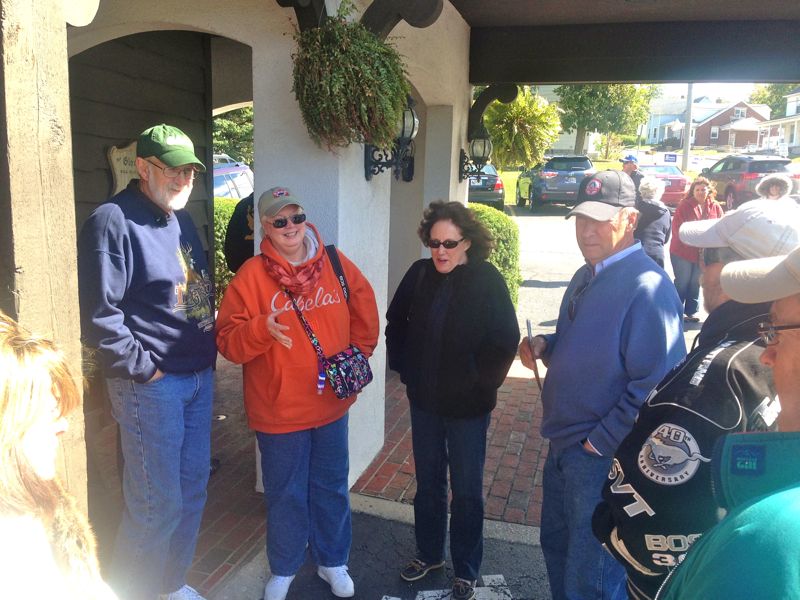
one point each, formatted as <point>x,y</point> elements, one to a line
<point>760,228</point>
<point>762,279</point>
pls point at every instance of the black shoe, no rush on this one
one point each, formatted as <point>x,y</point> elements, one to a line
<point>417,569</point>
<point>463,589</point>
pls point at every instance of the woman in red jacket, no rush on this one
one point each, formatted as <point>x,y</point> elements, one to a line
<point>301,428</point>
<point>698,204</point>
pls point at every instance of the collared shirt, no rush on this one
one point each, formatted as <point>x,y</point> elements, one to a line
<point>607,262</point>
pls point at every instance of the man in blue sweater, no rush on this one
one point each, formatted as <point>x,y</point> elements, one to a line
<point>619,332</point>
<point>147,309</point>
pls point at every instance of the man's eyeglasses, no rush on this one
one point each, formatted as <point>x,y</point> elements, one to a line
<point>281,222</point>
<point>769,332</point>
<point>173,172</point>
<point>449,244</point>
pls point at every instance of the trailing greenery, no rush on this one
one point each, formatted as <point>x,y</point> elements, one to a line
<point>505,255</point>
<point>233,134</point>
<point>223,209</point>
<point>521,130</point>
<point>351,86</point>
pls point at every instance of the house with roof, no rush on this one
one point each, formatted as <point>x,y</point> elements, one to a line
<point>783,135</point>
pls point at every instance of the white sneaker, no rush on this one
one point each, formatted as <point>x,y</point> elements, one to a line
<point>339,580</point>
<point>185,593</point>
<point>277,587</point>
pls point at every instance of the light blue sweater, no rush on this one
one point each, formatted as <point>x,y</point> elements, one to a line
<point>627,333</point>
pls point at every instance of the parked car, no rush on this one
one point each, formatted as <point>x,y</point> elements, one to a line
<point>486,187</point>
<point>524,182</point>
<point>558,180</point>
<point>675,182</point>
<point>232,180</point>
<point>737,175</point>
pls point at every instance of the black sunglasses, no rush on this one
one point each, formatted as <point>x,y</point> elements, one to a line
<point>769,332</point>
<point>449,244</point>
<point>572,307</point>
<point>281,222</point>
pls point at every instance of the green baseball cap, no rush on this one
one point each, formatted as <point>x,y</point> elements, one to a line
<point>169,145</point>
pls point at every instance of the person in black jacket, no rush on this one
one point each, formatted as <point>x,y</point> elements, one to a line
<point>658,497</point>
<point>655,223</point>
<point>239,235</point>
<point>452,334</point>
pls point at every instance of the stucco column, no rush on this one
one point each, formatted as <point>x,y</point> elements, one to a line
<point>443,135</point>
<point>38,264</point>
<point>348,211</point>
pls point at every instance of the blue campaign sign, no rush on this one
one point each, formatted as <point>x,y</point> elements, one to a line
<point>670,158</point>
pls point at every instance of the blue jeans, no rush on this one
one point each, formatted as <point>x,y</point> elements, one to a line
<point>687,282</point>
<point>578,567</point>
<point>461,444</point>
<point>306,496</point>
<point>165,433</point>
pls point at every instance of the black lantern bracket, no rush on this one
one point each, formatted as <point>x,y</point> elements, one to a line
<point>400,157</point>
<point>480,144</point>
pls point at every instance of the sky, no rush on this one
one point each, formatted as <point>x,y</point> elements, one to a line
<point>727,91</point>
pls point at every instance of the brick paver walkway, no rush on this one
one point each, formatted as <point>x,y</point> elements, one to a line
<point>514,457</point>
<point>233,527</point>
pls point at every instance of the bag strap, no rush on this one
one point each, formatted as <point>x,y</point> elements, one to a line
<point>333,255</point>
<point>314,342</point>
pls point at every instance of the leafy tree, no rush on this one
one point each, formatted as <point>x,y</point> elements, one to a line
<point>772,94</point>
<point>521,130</point>
<point>233,134</point>
<point>616,108</point>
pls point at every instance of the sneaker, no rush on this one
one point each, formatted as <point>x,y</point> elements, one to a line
<point>277,587</point>
<point>417,569</point>
<point>185,593</point>
<point>339,580</point>
<point>463,589</point>
<point>691,319</point>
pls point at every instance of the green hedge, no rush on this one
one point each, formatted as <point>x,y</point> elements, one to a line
<point>223,209</point>
<point>506,253</point>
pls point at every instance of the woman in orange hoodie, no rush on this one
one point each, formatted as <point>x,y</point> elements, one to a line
<point>301,427</point>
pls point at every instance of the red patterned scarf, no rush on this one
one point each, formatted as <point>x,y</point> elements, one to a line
<point>302,281</point>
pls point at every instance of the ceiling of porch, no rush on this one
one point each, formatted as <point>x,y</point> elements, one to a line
<point>571,41</point>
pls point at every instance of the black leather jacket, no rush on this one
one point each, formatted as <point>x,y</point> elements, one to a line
<point>658,498</point>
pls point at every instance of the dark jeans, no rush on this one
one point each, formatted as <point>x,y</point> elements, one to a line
<point>440,442</point>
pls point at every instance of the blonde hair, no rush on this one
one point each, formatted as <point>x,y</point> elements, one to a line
<point>32,371</point>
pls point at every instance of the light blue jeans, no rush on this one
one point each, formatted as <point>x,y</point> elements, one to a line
<point>578,567</point>
<point>165,432</point>
<point>687,282</point>
<point>306,496</point>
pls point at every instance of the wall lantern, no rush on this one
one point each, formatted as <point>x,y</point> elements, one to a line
<point>480,149</point>
<point>400,158</point>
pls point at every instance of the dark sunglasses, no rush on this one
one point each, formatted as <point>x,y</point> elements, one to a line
<point>572,307</point>
<point>281,222</point>
<point>769,332</point>
<point>449,244</point>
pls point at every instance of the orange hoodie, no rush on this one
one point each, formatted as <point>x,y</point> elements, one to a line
<point>280,384</point>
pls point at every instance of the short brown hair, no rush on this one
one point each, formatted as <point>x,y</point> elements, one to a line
<point>481,242</point>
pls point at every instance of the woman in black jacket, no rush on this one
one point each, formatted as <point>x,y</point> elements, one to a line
<point>452,335</point>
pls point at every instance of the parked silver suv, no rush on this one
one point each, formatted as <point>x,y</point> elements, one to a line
<point>736,176</point>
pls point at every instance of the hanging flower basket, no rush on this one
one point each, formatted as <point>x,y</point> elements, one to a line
<point>351,86</point>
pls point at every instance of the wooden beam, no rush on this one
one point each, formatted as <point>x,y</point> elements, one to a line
<point>637,52</point>
<point>38,270</point>
<point>382,16</point>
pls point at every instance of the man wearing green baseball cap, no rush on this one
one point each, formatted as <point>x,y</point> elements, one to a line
<point>147,309</point>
